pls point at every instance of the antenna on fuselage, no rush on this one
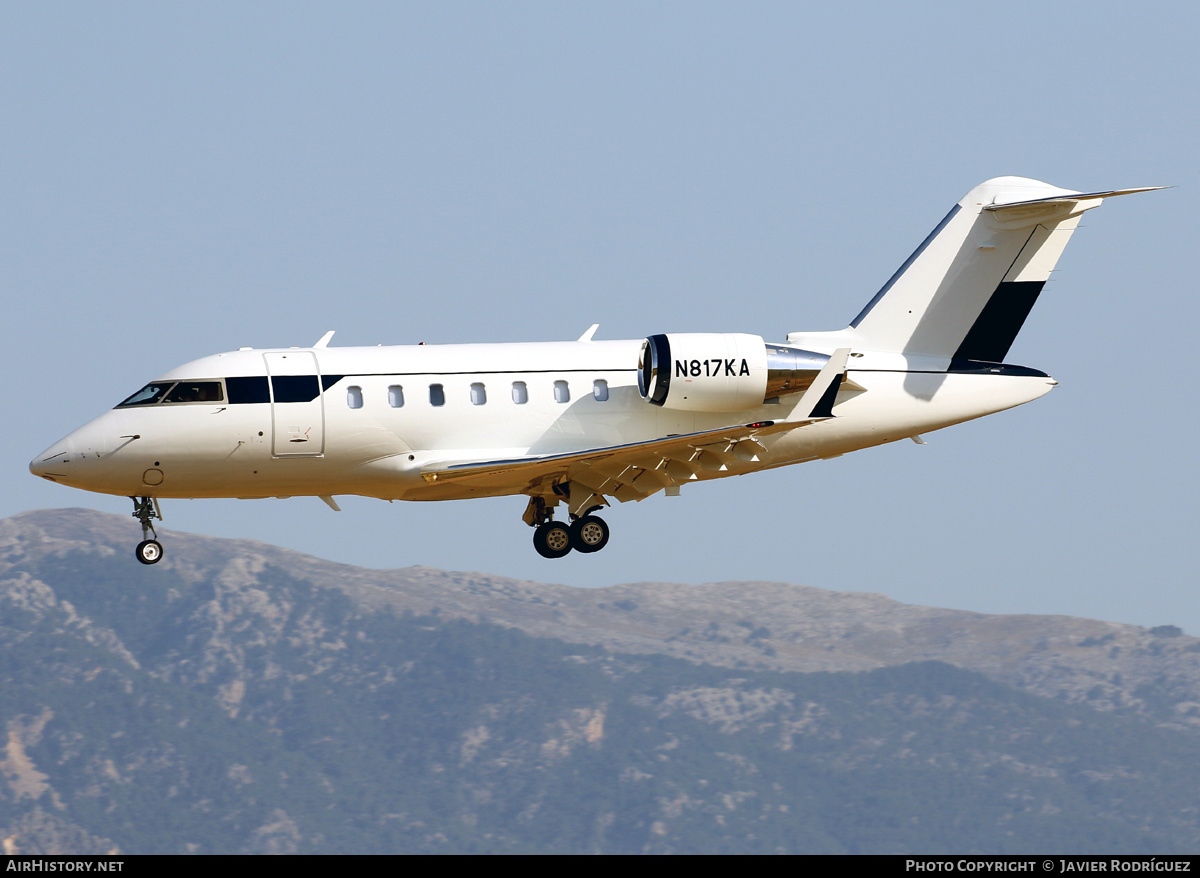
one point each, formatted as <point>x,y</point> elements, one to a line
<point>324,340</point>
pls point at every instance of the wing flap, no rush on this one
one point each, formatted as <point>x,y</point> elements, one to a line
<point>634,470</point>
<point>535,465</point>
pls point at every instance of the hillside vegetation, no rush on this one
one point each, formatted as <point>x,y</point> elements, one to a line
<point>239,697</point>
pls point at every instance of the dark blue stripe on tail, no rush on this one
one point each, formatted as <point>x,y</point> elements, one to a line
<point>997,325</point>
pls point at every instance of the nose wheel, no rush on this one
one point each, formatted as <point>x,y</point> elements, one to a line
<point>145,510</point>
<point>149,551</point>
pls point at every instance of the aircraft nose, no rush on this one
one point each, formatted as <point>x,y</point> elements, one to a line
<point>54,463</point>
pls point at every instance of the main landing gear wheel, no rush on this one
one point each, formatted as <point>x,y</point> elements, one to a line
<point>149,551</point>
<point>589,534</point>
<point>552,539</point>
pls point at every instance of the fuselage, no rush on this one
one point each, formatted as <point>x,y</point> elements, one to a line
<point>365,420</point>
<point>576,423</point>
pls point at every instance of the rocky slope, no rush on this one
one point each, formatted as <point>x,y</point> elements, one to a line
<point>240,697</point>
<point>1104,665</point>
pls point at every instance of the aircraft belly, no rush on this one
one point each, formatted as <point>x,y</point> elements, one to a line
<point>897,405</point>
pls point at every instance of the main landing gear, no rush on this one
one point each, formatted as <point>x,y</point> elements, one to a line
<point>145,510</point>
<point>552,539</point>
<point>555,539</point>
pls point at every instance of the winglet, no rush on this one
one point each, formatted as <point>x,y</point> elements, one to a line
<point>817,401</point>
<point>324,340</point>
<point>591,330</point>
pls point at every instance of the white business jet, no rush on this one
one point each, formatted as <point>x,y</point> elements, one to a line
<point>574,424</point>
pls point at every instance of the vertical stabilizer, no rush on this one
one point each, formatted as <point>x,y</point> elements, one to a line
<point>966,291</point>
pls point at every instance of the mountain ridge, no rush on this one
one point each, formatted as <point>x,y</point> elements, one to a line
<point>1104,665</point>
<point>237,697</point>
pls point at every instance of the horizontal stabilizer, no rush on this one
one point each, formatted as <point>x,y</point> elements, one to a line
<point>1073,197</point>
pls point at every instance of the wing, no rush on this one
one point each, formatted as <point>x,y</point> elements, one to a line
<point>635,470</point>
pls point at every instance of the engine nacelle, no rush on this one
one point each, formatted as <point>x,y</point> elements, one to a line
<point>721,371</point>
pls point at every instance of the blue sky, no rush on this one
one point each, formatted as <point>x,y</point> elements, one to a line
<point>181,179</point>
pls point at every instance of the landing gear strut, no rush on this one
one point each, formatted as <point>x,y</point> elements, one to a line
<point>555,539</point>
<point>145,510</point>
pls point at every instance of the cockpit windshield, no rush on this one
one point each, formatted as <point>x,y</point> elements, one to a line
<point>148,395</point>
<point>168,392</point>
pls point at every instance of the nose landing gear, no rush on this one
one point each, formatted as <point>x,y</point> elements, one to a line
<point>145,510</point>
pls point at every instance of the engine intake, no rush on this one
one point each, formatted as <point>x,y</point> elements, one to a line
<point>721,371</point>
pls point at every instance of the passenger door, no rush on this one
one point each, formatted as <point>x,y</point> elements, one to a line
<point>297,404</point>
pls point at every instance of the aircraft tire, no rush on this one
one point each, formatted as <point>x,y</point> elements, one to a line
<point>149,551</point>
<point>552,539</point>
<point>589,534</point>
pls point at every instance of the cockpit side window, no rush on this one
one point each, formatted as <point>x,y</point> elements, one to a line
<point>195,391</point>
<point>248,389</point>
<point>148,395</point>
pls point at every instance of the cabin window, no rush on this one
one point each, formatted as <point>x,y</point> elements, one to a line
<point>520,393</point>
<point>600,390</point>
<point>478,394</point>
<point>562,393</point>
<point>354,397</point>
<point>396,396</point>
<point>437,394</point>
